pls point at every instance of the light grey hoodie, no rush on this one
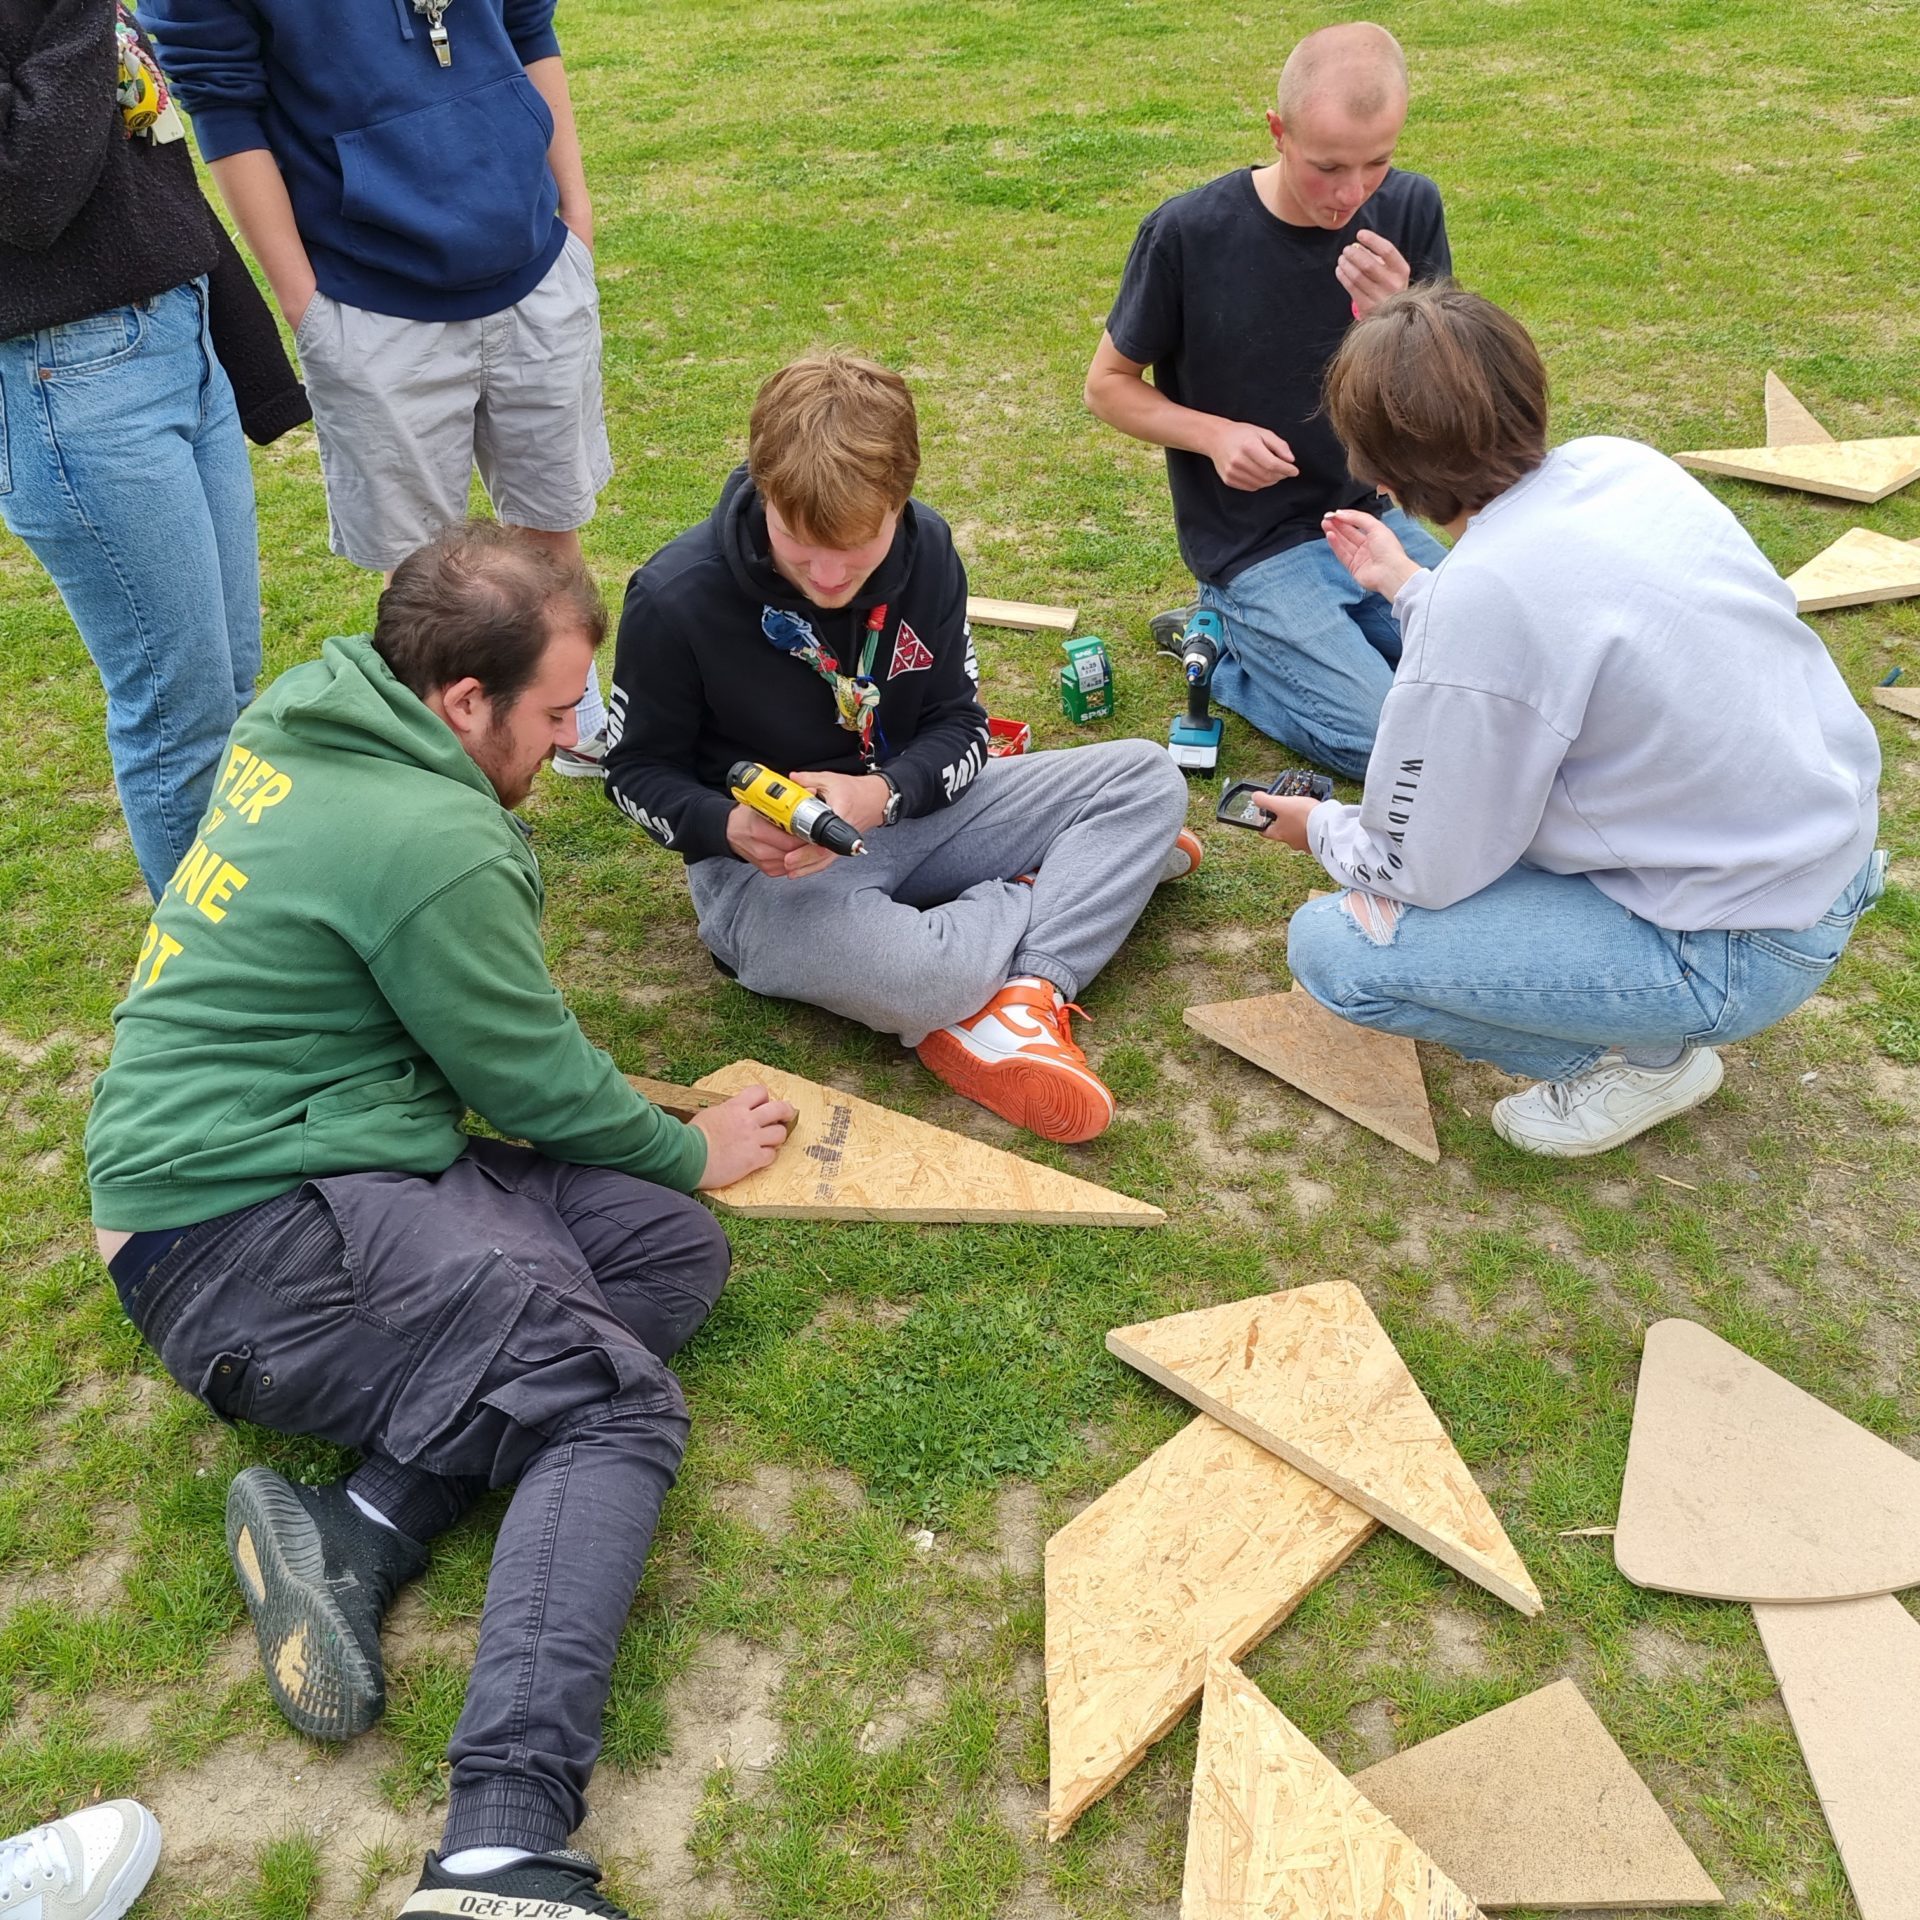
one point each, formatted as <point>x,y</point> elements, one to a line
<point>1606,676</point>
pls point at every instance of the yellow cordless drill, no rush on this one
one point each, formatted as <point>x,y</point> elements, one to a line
<point>789,805</point>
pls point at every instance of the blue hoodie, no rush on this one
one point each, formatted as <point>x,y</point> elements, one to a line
<point>419,190</point>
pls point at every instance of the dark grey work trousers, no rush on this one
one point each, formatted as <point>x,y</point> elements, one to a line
<point>506,1323</point>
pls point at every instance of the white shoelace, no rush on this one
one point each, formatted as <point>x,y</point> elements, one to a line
<point>34,1854</point>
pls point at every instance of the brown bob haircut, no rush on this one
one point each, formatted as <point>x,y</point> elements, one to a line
<point>1441,398</point>
<point>834,447</point>
<point>480,601</point>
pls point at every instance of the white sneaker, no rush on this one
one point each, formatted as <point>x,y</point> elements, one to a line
<point>585,760</point>
<point>1183,858</point>
<point>93,1865</point>
<point>1605,1106</point>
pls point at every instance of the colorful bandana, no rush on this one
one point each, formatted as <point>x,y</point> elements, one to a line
<point>856,697</point>
<point>141,87</point>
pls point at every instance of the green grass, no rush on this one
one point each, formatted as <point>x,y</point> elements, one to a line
<point>1674,198</point>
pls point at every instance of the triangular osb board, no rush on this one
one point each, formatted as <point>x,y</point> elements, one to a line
<point>1860,566</point>
<point>1789,424</point>
<point>1276,1832</point>
<point>1533,1805</point>
<point>1904,700</point>
<point>1739,1486</point>
<point>1850,1675</point>
<point>847,1159</point>
<point>1373,1078</point>
<point>1847,469</point>
<point>1311,1375</point>
<point>1210,1542</point>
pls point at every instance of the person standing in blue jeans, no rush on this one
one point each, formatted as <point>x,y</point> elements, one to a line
<point>1622,807</point>
<point>122,464</point>
<point>1236,296</point>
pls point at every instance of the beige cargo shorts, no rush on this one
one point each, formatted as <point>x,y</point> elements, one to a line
<point>406,409</point>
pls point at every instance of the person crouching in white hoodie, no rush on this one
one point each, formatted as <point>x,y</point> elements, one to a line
<point>1621,806</point>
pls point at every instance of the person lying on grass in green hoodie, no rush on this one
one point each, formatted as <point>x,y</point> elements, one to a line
<point>347,959</point>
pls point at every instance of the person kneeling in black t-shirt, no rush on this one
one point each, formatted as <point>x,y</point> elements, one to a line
<point>1237,295</point>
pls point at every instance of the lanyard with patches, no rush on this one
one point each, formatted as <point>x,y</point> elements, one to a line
<point>856,697</point>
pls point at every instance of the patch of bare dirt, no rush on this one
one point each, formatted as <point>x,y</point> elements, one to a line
<point>766,1500</point>
<point>919,1699</point>
<point>722,1712</point>
<point>1656,1654</point>
<point>1371,1725</point>
<point>1458,1641</point>
<point>216,1816</point>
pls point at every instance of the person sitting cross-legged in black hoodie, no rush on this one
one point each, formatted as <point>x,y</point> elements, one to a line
<point>816,622</point>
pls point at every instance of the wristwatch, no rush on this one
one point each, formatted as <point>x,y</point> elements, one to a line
<point>892,812</point>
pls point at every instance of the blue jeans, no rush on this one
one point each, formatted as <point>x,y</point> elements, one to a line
<point>1541,973</point>
<point>1310,653</point>
<point>122,467</point>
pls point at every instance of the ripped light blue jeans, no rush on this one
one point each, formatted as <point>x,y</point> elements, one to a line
<point>1542,974</point>
<point>1310,652</point>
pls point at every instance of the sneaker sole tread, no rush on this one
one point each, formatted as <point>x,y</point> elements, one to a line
<point>304,1638</point>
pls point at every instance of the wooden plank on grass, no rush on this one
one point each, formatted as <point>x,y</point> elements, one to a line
<point>1312,1376</point>
<point>1023,615</point>
<point>1534,1805</point>
<point>1850,1675</point>
<point>1863,470</point>
<point>847,1159</point>
<point>1373,1078</point>
<point>1211,1541</point>
<point>1740,1486</point>
<point>1276,1832</point>
<point>682,1102</point>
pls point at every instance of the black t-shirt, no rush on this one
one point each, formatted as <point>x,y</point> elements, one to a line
<point>1238,313</point>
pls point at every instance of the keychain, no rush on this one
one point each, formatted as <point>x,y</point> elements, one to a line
<point>436,32</point>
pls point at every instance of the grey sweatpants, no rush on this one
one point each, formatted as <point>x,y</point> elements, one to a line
<point>933,919</point>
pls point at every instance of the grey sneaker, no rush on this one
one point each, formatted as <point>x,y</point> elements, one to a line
<point>1169,629</point>
<point>1605,1106</point>
<point>90,1866</point>
<point>584,760</point>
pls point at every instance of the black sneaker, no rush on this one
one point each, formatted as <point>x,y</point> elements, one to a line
<point>549,1886</point>
<point>318,1577</point>
<point>1169,629</point>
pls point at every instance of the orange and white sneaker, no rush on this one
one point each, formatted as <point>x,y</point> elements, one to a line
<point>1017,1058</point>
<point>1183,857</point>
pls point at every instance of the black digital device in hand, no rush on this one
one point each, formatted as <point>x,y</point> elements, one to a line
<point>1294,783</point>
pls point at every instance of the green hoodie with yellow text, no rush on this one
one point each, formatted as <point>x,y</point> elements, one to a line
<point>349,958</point>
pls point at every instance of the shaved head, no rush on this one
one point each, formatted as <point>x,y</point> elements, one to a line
<point>1357,68</point>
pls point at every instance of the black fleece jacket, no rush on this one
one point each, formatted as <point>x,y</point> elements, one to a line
<point>88,218</point>
<point>91,220</point>
<point>697,685</point>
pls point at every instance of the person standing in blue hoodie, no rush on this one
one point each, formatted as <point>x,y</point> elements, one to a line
<point>408,175</point>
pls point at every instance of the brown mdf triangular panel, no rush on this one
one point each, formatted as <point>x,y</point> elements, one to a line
<point>1210,1542</point>
<point>1861,566</point>
<point>1902,700</point>
<point>1276,1832</point>
<point>1850,1675</point>
<point>847,1159</point>
<point>1373,1078</point>
<point>1789,424</point>
<point>1311,1375</point>
<point>1863,470</point>
<point>1739,1486</point>
<point>1534,1805</point>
